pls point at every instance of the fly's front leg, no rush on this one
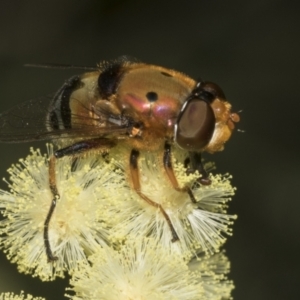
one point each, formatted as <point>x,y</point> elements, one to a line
<point>134,170</point>
<point>195,161</point>
<point>75,149</point>
<point>167,160</point>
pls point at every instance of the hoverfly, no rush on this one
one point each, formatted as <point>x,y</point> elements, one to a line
<point>143,106</point>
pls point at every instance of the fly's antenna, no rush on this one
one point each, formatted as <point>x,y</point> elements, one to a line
<point>240,130</point>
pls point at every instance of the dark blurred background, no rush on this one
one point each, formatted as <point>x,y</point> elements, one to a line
<point>250,48</point>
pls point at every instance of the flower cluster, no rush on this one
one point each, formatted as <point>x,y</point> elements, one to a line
<point>21,296</point>
<point>143,269</point>
<point>113,243</point>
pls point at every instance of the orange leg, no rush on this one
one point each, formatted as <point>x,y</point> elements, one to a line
<point>170,172</point>
<point>134,170</point>
<point>53,188</point>
<point>75,149</point>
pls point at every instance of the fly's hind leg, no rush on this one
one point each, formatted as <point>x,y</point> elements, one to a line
<point>167,160</point>
<point>134,170</point>
<point>55,195</point>
<point>75,149</point>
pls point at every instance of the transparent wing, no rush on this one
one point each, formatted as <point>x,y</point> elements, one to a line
<point>28,122</point>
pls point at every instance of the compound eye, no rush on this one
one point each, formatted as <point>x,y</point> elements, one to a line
<point>195,125</point>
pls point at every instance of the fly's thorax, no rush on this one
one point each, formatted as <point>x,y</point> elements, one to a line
<point>153,95</point>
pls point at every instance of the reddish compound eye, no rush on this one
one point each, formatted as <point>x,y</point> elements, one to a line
<point>195,125</point>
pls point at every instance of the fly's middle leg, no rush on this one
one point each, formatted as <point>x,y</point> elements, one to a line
<point>167,161</point>
<point>133,163</point>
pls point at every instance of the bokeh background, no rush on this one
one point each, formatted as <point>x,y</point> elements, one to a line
<point>250,48</point>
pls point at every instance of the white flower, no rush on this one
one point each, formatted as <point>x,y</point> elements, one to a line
<point>140,270</point>
<point>21,296</point>
<point>76,228</point>
<point>99,212</point>
<point>213,272</point>
<point>200,226</point>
